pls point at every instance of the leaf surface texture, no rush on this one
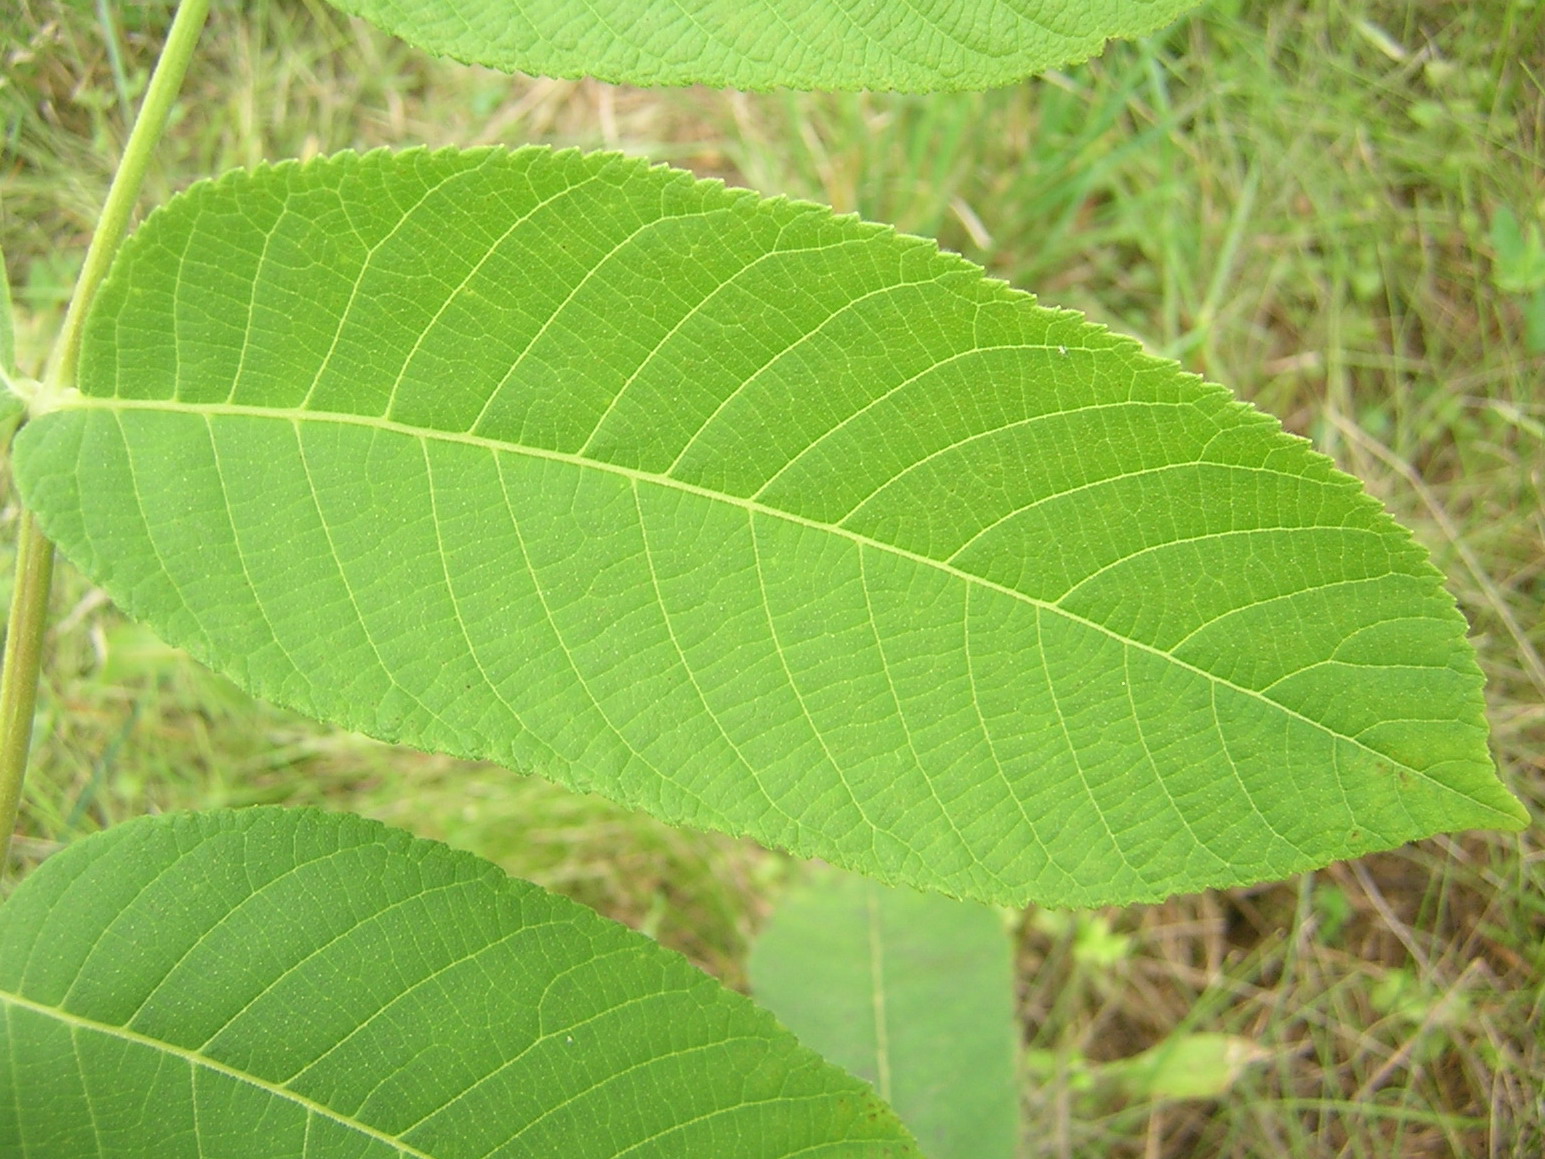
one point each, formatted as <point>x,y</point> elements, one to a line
<point>911,992</point>
<point>292,983</point>
<point>910,45</point>
<point>757,518</point>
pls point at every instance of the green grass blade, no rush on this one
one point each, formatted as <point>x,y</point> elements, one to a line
<point>919,46</point>
<point>756,518</point>
<point>272,982</point>
<point>7,323</point>
<point>11,404</point>
<point>912,992</point>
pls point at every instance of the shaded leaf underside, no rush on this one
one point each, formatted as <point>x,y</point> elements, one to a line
<point>292,983</point>
<point>909,991</point>
<point>755,517</point>
<point>910,45</point>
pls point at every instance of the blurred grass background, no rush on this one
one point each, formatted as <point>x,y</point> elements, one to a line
<point>1336,207</point>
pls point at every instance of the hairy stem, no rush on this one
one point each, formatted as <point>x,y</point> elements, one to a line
<point>34,553</point>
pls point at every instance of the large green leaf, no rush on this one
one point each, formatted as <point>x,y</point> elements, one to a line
<point>910,991</point>
<point>269,983</point>
<point>755,517</point>
<point>912,45</point>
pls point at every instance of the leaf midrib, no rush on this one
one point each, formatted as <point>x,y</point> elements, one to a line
<point>297,416</point>
<point>195,1059</point>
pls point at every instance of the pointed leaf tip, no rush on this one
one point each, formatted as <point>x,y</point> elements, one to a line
<point>759,519</point>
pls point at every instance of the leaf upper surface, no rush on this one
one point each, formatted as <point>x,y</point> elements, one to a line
<point>909,45</point>
<point>275,982</point>
<point>758,518</point>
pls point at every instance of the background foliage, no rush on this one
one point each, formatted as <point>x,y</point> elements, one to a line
<point>1299,199</point>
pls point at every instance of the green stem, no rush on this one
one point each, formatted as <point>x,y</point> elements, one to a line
<point>34,553</point>
<point>124,192</point>
<point>23,658</point>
